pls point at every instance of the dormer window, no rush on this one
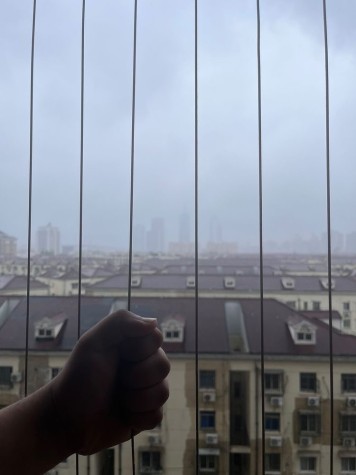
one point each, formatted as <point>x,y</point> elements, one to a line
<point>303,333</point>
<point>49,328</point>
<point>173,330</point>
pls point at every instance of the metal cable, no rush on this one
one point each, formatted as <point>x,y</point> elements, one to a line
<point>80,258</point>
<point>29,227</point>
<point>260,184</point>
<point>196,232</point>
<point>328,201</point>
<point>133,121</point>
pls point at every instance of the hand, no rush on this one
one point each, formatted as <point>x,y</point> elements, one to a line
<point>113,384</point>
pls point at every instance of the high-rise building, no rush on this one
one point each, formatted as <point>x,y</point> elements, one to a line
<point>155,236</point>
<point>48,240</point>
<point>8,245</point>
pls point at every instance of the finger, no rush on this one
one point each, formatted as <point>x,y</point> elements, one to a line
<point>145,400</point>
<point>138,349</point>
<point>118,326</point>
<point>145,421</point>
<point>146,373</point>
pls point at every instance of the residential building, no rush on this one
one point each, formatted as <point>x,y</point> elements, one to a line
<point>48,240</point>
<point>8,245</point>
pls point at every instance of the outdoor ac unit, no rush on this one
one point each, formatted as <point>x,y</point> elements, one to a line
<point>136,281</point>
<point>305,441</point>
<point>351,401</point>
<point>154,439</point>
<point>190,282</point>
<point>276,401</point>
<point>313,401</point>
<point>16,377</point>
<point>209,396</point>
<point>211,439</point>
<point>348,442</point>
<point>275,441</point>
<point>229,282</point>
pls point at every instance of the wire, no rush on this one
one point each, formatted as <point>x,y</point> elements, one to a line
<point>196,237</point>
<point>328,201</point>
<point>29,227</point>
<point>260,184</point>
<point>80,259</point>
<point>133,121</point>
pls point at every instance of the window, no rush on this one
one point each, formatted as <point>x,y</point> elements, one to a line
<point>346,323</point>
<point>316,305</point>
<point>348,423</point>
<point>272,421</point>
<point>305,305</point>
<point>308,382</point>
<point>304,335</point>
<point>208,463</point>
<point>346,306</point>
<point>273,382</point>
<point>41,332</point>
<point>207,419</point>
<point>310,423</point>
<point>150,461</point>
<point>308,464</point>
<point>348,383</point>
<point>5,375</point>
<point>55,371</point>
<point>348,464</point>
<point>291,304</point>
<point>273,463</point>
<point>207,379</point>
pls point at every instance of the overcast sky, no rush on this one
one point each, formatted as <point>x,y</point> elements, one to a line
<point>293,101</point>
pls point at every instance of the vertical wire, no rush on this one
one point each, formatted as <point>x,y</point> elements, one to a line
<point>133,121</point>
<point>196,232</point>
<point>328,201</point>
<point>260,183</point>
<point>29,227</point>
<point>80,258</point>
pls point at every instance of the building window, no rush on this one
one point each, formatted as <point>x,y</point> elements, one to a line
<point>316,305</point>
<point>348,383</point>
<point>273,382</point>
<point>291,304</point>
<point>310,423</point>
<point>150,461</point>
<point>273,463</point>
<point>272,421</point>
<point>346,323</point>
<point>305,305</point>
<point>207,419</point>
<point>308,382</point>
<point>5,375</point>
<point>208,463</point>
<point>348,464</point>
<point>308,464</point>
<point>348,423</point>
<point>304,334</point>
<point>346,306</point>
<point>207,379</point>
<point>55,371</point>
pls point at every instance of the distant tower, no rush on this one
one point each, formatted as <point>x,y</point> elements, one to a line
<point>184,228</point>
<point>48,240</point>
<point>155,236</point>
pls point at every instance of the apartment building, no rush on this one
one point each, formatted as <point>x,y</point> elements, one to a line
<point>297,391</point>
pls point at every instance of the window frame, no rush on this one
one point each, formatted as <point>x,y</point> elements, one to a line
<point>208,457</point>
<point>207,415</point>
<point>308,469</point>
<point>350,377</point>
<point>270,458</point>
<point>308,376</point>
<point>205,374</point>
<point>308,417</point>
<point>273,416</point>
<point>268,387</point>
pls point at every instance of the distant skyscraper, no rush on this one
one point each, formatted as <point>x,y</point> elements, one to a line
<point>184,229</point>
<point>48,240</point>
<point>155,236</point>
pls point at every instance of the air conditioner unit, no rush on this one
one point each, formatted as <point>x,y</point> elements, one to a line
<point>313,401</point>
<point>136,281</point>
<point>229,282</point>
<point>348,442</point>
<point>190,282</point>
<point>16,377</point>
<point>276,401</point>
<point>305,441</point>
<point>351,402</point>
<point>211,439</point>
<point>209,396</point>
<point>154,439</point>
<point>275,441</point>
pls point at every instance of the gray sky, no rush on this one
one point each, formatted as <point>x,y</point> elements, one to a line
<point>293,117</point>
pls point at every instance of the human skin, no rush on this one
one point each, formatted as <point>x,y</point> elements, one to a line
<point>112,386</point>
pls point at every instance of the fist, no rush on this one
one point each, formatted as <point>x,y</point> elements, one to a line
<point>113,385</point>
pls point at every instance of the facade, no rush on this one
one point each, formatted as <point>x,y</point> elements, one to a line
<point>8,245</point>
<point>296,391</point>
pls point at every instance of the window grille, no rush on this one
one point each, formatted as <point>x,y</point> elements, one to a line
<point>271,382</point>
